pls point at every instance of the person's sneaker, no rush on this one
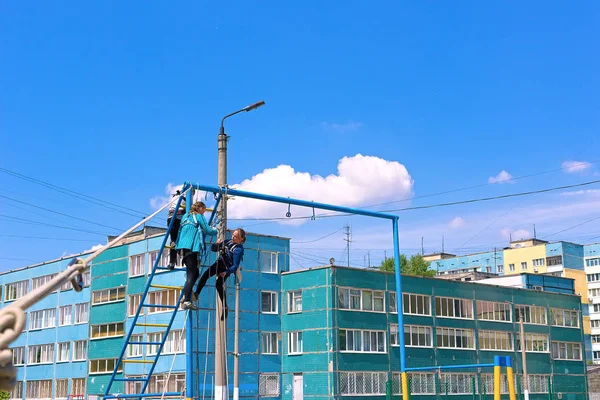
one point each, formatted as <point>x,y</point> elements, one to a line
<point>188,305</point>
<point>171,266</point>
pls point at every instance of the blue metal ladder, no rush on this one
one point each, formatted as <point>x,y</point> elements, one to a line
<point>134,324</point>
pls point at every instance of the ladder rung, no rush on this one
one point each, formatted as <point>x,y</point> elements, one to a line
<point>139,395</point>
<point>138,361</point>
<point>131,379</point>
<point>148,343</point>
<point>153,325</point>
<point>166,287</point>
<point>169,269</point>
<point>160,306</point>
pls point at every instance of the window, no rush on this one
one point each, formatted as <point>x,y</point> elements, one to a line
<point>488,270</point>
<point>500,269</point>
<point>596,355</point>
<point>135,350</point>
<point>295,301</point>
<point>78,386</point>
<point>269,343</point>
<point>169,297</point>
<point>595,323</point>
<point>105,366</point>
<point>454,338</point>
<point>534,342</point>
<point>531,314</point>
<point>538,262</point>
<point>416,304</point>
<point>134,387</point>
<point>106,330</point>
<point>595,339</point>
<point>80,351</point>
<point>393,305</point>
<point>40,354</point>
<point>268,262</point>
<point>568,318</point>
<point>82,313</point>
<point>414,335</point>
<point>108,295</point>
<point>160,384</point>
<point>524,265</point>
<point>18,355</point>
<point>269,302</point>
<point>593,277</point>
<point>495,340</point>
<point>453,308</point>
<point>268,385</point>
<point>421,383</point>
<point>133,304</point>
<point>362,341</point>
<point>537,383</point>
<point>594,292</point>
<point>62,388</point>
<point>63,352</point>
<point>136,265</point>
<point>361,300</point>
<point>17,391</point>
<point>39,389</point>
<point>493,311</point>
<point>295,342</point>
<point>362,383</point>
<point>458,383</point>
<point>64,315</point>
<point>592,262</point>
<point>511,267</point>
<point>87,279</point>
<point>566,351</point>
<point>41,281</point>
<point>554,260</point>
<point>487,382</point>
<point>15,290</point>
<point>175,342</point>
<point>42,319</point>
<point>152,256</point>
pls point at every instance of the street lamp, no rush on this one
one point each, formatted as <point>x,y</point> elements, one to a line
<point>220,351</point>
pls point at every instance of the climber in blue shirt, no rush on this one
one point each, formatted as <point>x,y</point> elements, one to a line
<point>191,240</point>
<point>231,253</point>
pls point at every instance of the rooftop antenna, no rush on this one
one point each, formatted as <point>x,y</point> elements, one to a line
<point>534,233</point>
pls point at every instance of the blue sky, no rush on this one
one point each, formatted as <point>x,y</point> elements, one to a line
<point>117,100</point>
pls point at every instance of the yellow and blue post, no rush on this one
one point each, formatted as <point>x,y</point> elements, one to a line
<point>497,377</point>
<point>189,373</point>
<point>403,375</point>
<point>511,379</point>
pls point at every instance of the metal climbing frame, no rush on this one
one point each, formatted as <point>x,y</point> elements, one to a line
<point>142,305</point>
<point>225,191</point>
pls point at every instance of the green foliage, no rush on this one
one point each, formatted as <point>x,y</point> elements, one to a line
<point>415,265</point>
<point>4,395</point>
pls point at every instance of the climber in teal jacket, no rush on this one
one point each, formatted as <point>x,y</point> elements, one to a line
<point>191,240</point>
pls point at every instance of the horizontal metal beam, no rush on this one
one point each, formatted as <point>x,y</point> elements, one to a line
<point>288,200</point>
<point>449,367</point>
<point>140,395</point>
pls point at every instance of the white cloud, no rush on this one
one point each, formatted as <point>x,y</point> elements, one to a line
<point>581,192</point>
<point>518,234</point>
<point>503,176</point>
<point>94,248</point>
<point>576,166</point>
<point>157,202</point>
<point>343,128</point>
<point>360,180</point>
<point>456,223</point>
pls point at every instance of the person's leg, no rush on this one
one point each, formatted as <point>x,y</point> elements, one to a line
<point>173,234</point>
<point>210,271</point>
<point>220,289</point>
<point>191,267</point>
